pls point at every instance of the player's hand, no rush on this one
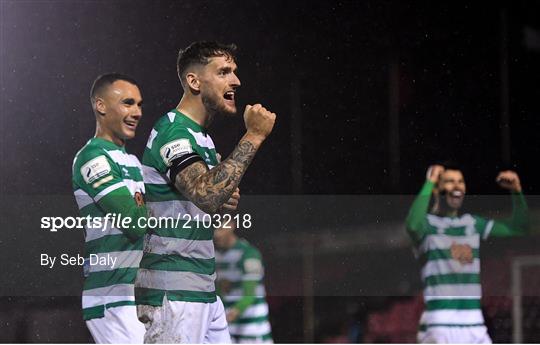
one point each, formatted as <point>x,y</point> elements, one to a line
<point>232,314</point>
<point>259,121</point>
<point>434,173</point>
<point>232,204</point>
<point>508,179</point>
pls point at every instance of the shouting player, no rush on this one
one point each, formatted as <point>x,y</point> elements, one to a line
<point>175,287</point>
<point>240,275</point>
<point>449,243</point>
<point>107,180</point>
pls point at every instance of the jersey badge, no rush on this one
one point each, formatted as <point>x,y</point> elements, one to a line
<point>175,149</point>
<point>95,169</point>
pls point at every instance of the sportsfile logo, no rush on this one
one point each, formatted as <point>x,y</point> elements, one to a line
<point>116,221</point>
<point>110,220</point>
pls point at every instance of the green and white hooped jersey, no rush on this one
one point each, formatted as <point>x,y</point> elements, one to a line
<point>179,258</point>
<point>108,180</point>
<point>452,289</point>
<point>235,266</point>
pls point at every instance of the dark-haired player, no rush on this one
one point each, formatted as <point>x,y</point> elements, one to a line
<point>175,289</point>
<point>448,242</point>
<point>106,180</point>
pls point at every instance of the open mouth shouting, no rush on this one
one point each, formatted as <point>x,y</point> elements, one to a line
<point>229,97</point>
<point>455,197</point>
<point>456,194</point>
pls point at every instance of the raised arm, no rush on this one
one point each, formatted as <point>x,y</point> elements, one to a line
<point>210,189</point>
<point>517,224</point>
<point>416,218</point>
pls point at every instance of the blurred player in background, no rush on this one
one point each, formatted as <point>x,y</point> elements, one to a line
<point>106,179</point>
<point>449,242</point>
<point>240,274</point>
<point>176,294</point>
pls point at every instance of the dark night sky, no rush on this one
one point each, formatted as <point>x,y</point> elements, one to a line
<point>337,52</point>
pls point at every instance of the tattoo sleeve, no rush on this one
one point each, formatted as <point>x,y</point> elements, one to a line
<point>210,189</point>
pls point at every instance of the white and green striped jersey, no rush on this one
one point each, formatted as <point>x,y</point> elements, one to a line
<point>179,258</point>
<point>239,270</point>
<point>450,256</point>
<point>108,180</point>
<point>449,249</point>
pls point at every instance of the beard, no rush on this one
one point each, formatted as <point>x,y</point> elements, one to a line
<point>214,104</point>
<point>449,202</point>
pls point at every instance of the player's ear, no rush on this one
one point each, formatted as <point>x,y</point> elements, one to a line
<point>193,82</point>
<point>100,106</point>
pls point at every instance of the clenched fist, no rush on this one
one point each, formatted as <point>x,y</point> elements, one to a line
<point>434,173</point>
<point>509,180</point>
<point>259,121</point>
<point>232,204</point>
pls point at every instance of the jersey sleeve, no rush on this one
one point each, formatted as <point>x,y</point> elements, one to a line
<point>517,224</point>
<point>483,226</point>
<point>101,180</point>
<point>174,150</point>
<point>252,273</point>
<point>416,221</point>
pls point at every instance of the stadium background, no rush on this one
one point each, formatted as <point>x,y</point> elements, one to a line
<point>368,94</point>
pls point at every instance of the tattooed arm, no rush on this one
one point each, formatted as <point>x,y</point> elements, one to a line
<point>210,189</point>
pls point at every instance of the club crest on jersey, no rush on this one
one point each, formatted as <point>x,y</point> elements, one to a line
<point>175,149</point>
<point>95,169</point>
<point>139,199</point>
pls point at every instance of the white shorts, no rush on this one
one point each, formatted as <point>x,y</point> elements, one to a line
<point>119,325</point>
<point>185,322</point>
<point>454,335</point>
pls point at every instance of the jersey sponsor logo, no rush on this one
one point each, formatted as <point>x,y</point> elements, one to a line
<point>175,149</point>
<point>253,266</point>
<point>95,169</point>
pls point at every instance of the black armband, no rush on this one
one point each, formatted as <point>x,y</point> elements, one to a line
<point>182,162</point>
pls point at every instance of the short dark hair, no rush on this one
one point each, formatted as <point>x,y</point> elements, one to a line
<point>106,80</point>
<point>200,53</point>
<point>452,164</point>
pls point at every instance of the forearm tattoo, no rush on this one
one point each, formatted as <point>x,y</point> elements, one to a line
<point>210,189</point>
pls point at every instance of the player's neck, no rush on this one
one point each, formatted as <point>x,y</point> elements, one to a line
<point>108,135</point>
<point>447,212</point>
<point>195,110</point>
